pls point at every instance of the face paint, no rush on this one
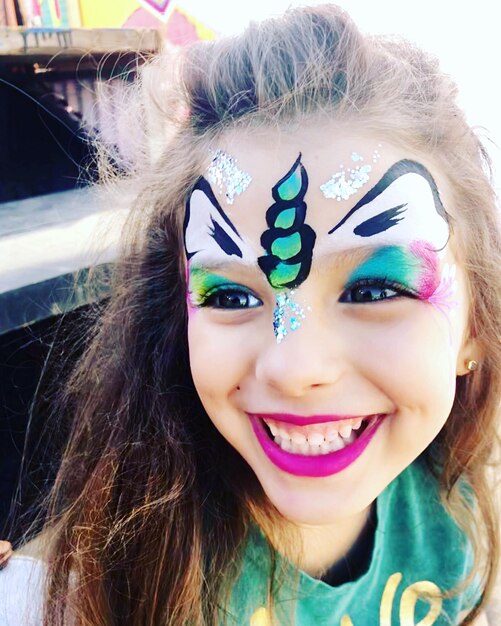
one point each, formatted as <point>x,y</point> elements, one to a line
<point>288,242</point>
<point>287,315</point>
<point>201,283</point>
<point>348,181</point>
<point>443,297</point>
<point>412,268</point>
<point>223,172</point>
<point>208,231</point>
<point>404,205</point>
<point>206,289</point>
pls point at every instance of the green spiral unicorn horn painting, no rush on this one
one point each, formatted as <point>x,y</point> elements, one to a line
<point>288,241</point>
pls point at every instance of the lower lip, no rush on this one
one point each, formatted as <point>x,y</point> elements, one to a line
<point>314,466</point>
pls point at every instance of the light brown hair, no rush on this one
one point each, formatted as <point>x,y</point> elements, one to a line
<point>148,521</point>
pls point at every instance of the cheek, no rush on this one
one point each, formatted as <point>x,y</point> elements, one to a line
<point>412,359</point>
<point>217,359</point>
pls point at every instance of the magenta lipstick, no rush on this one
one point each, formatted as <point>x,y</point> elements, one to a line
<point>315,466</point>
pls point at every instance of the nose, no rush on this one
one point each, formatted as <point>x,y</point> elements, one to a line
<point>310,357</point>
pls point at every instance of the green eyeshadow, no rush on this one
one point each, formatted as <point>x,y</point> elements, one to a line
<point>202,282</point>
<point>394,263</point>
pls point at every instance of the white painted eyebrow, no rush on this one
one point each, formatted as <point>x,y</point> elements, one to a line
<point>322,263</point>
<point>329,260</point>
<point>213,265</point>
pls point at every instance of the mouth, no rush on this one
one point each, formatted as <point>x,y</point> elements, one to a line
<point>316,447</point>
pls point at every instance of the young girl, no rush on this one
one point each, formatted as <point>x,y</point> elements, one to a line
<point>286,410</point>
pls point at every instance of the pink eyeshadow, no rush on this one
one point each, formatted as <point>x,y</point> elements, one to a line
<point>429,278</point>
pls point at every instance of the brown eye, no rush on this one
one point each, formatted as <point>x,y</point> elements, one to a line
<point>232,298</point>
<point>369,290</point>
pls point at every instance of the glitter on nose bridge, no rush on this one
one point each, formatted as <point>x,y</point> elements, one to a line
<point>287,315</point>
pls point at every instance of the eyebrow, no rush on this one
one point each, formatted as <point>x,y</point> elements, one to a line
<point>326,263</point>
<point>349,256</point>
<point>213,266</point>
<point>398,169</point>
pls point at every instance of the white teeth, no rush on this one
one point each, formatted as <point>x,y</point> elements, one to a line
<point>273,428</point>
<point>332,434</point>
<point>308,449</point>
<point>345,431</point>
<point>282,432</point>
<point>303,448</point>
<point>316,439</point>
<point>298,437</point>
<point>337,444</point>
<point>308,441</point>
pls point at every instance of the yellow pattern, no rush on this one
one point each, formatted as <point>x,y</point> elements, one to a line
<point>55,20</point>
<point>261,617</point>
<point>99,14</point>
<point>421,590</point>
<point>388,598</point>
<point>425,590</point>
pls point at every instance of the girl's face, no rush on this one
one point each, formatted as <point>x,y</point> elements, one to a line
<point>327,311</point>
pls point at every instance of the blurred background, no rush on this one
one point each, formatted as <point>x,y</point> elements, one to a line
<point>54,57</point>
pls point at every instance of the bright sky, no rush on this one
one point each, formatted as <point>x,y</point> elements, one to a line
<point>465,36</point>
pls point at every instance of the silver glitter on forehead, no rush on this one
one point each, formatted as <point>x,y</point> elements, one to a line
<point>348,181</point>
<point>225,175</point>
<point>287,315</point>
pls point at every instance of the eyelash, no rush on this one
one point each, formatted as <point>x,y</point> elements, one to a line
<point>382,284</point>
<point>348,296</point>
<point>210,298</point>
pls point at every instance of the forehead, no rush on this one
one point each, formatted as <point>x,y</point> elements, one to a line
<point>266,155</point>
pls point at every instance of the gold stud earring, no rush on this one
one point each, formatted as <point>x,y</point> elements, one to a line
<point>471,365</point>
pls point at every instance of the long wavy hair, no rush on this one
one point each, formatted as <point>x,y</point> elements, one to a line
<point>147,523</point>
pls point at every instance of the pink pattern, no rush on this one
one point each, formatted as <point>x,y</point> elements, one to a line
<point>428,280</point>
<point>443,298</point>
<point>159,7</point>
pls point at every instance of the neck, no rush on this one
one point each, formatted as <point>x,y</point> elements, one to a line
<point>322,544</point>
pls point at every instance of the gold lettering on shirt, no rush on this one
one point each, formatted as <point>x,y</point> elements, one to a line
<point>421,590</point>
<point>261,617</point>
<point>426,591</point>
<point>388,598</point>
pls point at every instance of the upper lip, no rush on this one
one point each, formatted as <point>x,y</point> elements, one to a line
<point>303,420</point>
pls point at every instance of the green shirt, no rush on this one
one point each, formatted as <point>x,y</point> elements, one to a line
<point>417,549</point>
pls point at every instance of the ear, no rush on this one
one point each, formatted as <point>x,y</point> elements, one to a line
<point>470,351</point>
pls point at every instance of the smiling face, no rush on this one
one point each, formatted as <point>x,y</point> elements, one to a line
<point>329,414</point>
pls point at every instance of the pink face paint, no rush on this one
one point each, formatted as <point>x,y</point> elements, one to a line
<point>414,267</point>
<point>189,304</point>
<point>427,278</point>
<point>444,296</point>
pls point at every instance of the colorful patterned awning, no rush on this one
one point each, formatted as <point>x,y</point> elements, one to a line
<point>177,25</point>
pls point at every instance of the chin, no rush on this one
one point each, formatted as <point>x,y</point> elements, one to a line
<point>311,507</point>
